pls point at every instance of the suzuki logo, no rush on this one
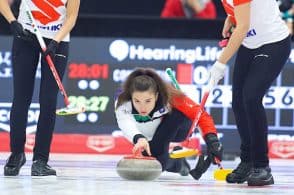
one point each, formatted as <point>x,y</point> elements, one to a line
<point>48,11</point>
<point>251,33</point>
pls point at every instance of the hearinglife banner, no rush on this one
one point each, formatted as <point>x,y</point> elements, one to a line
<point>98,66</point>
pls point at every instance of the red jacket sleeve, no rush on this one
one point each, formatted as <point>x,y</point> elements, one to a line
<point>190,109</point>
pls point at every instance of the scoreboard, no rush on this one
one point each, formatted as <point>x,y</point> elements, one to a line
<point>98,66</point>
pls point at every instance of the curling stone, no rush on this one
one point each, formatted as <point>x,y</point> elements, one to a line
<point>139,168</point>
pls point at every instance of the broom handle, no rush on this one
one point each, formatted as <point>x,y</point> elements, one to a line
<point>203,101</point>
<point>48,58</point>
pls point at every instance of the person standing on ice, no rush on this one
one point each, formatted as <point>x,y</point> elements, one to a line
<point>55,19</point>
<point>151,114</point>
<point>262,42</point>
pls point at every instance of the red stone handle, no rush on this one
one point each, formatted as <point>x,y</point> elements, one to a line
<point>138,155</point>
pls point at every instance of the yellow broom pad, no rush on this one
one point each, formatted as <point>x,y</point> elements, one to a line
<point>221,174</point>
<point>183,153</point>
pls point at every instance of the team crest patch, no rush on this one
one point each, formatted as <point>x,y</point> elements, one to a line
<point>161,110</point>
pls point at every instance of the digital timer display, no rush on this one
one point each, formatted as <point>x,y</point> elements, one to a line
<point>85,71</point>
<point>92,104</point>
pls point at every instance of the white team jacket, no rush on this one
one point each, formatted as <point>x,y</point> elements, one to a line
<point>130,127</point>
<point>49,16</point>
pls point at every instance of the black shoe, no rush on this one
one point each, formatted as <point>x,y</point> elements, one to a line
<point>260,177</point>
<point>241,173</point>
<point>41,168</point>
<point>185,167</point>
<point>14,163</point>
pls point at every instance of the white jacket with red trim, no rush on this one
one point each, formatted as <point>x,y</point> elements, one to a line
<point>49,16</point>
<point>130,127</point>
<point>266,24</point>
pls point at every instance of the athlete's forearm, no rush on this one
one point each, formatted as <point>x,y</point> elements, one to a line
<point>233,45</point>
<point>242,15</point>
<point>71,17</point>
<point>6,11</point>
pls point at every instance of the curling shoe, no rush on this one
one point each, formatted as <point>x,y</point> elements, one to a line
<point>14,163</point>
<point>241,173</point>
<point>185,167</point>
<point>41,168</point>
<point>183,163</point>
<point>260,177</point>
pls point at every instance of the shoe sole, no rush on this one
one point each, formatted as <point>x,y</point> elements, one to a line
<point>269,181</point>
<point>34,173</point>
<point>238,181</point>
<point>14,172</point>
<point>43,175</point>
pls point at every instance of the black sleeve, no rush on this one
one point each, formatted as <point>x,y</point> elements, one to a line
<point>138,136</point>
<point>285,5</point>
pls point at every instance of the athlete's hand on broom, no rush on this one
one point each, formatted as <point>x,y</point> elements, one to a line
<point>19,32</point>
<point>227,31</point>
<point>214,148</point>
<point>216,73</point>
<point>142,144</point>
<point>51,49</point>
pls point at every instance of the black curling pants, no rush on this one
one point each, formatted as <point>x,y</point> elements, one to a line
<point>254,72</point>
<point>173,128</point>
<point>25,58</point>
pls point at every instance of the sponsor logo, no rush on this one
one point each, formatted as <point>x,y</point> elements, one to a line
<point>47,10</point>
<point>121,50</point>
<point>6,65</point>
<point>282,149</point>
<point>33,115</point>
<point>282,137</point>
<point>101,143</point>
<point>161,110</point>
<point>52,28</point>
<point>251,33</point>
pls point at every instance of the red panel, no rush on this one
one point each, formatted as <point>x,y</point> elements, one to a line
<point>184,73</point>
<point>83,143</point>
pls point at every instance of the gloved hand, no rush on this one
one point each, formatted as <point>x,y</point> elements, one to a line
<point>214,147</point>
<point>51,49</point>
<point>216,73</point>
<point>18,31</point>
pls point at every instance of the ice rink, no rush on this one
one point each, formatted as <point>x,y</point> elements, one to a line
<point>96,175</point>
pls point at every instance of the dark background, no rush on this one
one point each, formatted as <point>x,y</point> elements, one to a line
<point>130,18</point>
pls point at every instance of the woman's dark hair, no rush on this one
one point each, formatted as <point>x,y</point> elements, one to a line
<point>144,79</point>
